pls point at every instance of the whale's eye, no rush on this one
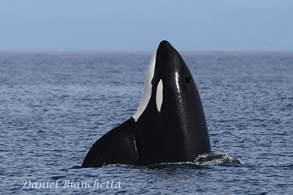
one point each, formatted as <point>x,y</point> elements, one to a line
<point>187,80</point>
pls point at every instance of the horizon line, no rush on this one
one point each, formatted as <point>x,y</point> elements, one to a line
<point>133,51</point>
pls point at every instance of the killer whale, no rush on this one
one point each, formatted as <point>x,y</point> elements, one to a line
<point>169,125</point>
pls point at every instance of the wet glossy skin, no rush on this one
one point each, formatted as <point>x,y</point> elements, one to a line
<point>169,125</point>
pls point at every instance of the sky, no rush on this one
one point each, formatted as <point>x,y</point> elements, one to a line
<point>131,25</point>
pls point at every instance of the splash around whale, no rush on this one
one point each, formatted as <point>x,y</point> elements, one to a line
<point>169,125</point>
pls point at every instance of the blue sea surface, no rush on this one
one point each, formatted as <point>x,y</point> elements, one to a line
<point>55,105</point>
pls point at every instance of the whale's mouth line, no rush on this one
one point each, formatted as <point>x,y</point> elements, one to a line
<point>135,147</point>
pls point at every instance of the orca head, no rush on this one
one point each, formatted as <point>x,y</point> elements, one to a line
<point>169,84</point>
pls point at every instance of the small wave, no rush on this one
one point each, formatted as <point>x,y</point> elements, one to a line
<point>174,165</point>
<point>201,161</point>
<point>213,159</point>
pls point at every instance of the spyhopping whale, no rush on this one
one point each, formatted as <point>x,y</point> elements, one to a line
<point>169,125</point>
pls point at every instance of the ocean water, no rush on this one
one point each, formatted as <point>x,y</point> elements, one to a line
<point>55,105</point>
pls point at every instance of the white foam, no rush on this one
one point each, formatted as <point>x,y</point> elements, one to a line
<point>147,91</point>
<point>159,95</point>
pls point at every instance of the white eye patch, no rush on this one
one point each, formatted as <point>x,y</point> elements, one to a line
<point>159,95</point>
